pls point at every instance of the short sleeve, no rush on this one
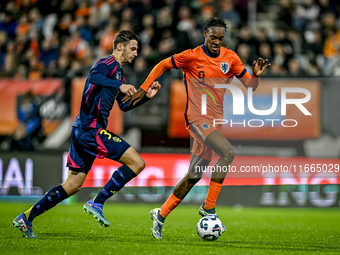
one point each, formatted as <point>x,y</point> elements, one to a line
<point>182,60</point>
<point>238,67</point>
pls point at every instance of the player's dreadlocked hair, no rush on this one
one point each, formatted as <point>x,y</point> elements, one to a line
<point>124,37</point>
<point>214,22</point>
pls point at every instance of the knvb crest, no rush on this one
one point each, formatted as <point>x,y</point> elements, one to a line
<point>205,126</point>
<point>224,67</point>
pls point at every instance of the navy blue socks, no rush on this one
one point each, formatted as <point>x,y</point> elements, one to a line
<point>50,199</point>
<point>118,180</point>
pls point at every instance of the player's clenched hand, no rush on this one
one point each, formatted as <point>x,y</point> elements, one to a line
<point>137,96</point>
<point>153,89</point>
<point>260,66</point>
<point>128,89</point>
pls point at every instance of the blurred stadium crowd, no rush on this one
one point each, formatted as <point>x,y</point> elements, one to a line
<point>40,38</point>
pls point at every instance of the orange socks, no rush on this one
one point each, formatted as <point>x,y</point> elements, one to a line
<point>172,202</point>
<point>169,205</point>
<point>213,192</point>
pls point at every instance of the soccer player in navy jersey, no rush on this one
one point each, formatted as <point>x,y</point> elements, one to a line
<point>90,139</point>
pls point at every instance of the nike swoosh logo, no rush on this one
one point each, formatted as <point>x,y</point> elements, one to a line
<point>198,67</point>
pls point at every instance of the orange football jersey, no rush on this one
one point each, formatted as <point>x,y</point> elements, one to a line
<point>200,74</point>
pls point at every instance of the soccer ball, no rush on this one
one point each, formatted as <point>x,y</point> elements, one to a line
<point>209,228</point>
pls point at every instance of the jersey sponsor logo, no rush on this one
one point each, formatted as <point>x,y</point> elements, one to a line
<point>224,67</point>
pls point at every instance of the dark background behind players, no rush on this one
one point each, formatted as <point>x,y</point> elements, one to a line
<point>52,38</point>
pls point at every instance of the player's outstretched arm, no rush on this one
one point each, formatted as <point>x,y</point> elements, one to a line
<point>156,72</point>
<point>260,66</point>
<point>152,91</point>
<point>135,98</point>
<point>98,77</point>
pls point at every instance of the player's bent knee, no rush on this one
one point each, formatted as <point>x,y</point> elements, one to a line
<point>133,160</point>
<point>195,175</point>
<point>193,181</point>
<point>74,182</point>
<point>140,165</point>
<point>228,154</point>
<point>137,165</point>
<point>232,153</point>
<point>70,190</point>
<point>71,187</point>
<point>74,191</point>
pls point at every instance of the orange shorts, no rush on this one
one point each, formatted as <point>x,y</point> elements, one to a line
<point>199,131</point>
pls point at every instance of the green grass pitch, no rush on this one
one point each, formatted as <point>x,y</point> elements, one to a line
<point>66,229</point>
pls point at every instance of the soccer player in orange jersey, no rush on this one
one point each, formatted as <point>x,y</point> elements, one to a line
<point>203,67</point>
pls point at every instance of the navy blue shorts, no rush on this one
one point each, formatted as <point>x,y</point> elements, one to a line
<point>87,144</point>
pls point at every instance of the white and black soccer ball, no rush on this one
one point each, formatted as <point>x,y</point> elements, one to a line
<point>209,228</point>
